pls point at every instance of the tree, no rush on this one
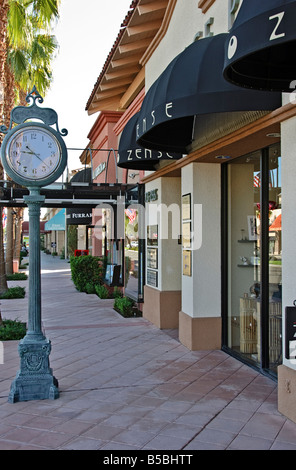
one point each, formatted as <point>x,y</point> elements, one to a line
<point>4,7</point>
<point>28,49</point>
<point>31,46</point>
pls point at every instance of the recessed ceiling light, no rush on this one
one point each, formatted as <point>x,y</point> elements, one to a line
<point>222,157</point>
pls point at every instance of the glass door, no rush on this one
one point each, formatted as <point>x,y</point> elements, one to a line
<point>252,286</point>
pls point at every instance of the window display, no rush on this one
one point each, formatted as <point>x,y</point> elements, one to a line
<point>255,257</point>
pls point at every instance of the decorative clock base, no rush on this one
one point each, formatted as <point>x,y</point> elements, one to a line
<point>34,155</point>
<point>34,380</point>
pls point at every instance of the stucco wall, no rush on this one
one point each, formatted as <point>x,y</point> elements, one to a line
<point>187,20</point>
<point>288,218</point>
<point>201,292</point>
<point>164,212</point>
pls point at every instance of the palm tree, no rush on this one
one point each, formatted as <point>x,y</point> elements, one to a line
<point>29,49</point>
<point>31,46</point>
<point>4,7</point>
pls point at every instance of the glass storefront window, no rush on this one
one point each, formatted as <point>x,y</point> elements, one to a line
<point>251,264</point>
<point>131,252</point>
<point>275,259</point>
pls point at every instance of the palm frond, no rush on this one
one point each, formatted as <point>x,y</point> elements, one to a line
<point>45,10</point>
<point>17,26</point>
<point>32,47</point>
<point>18,62</point>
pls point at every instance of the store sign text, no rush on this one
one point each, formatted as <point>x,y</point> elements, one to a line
<point>275,34</point>
<point>76,215</point>
<point>151,196</point>
<point>146,154</point>
<point>153,118</point>
<point>99,169</point>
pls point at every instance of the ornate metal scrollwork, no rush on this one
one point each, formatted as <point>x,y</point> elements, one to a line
<point>21,114</point>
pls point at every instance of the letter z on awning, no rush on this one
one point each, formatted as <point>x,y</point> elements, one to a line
<point>260,51</point>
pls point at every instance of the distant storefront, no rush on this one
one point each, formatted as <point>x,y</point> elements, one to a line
<point>25,232</point>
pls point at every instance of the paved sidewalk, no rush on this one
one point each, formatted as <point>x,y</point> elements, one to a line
<point>126,385</point>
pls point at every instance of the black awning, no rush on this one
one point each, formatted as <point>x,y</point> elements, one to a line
<point>260,52</point>
<point>82,176</point>
<point>193,85</point>
<point>134,157</point>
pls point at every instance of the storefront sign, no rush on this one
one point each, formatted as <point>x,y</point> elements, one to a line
<point>79,216</point>
<point>99,169</point>
<point>134,156</point>
<point>151,196</point>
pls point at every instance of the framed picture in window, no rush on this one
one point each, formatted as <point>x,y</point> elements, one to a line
<point>186,207</point>
<point>186,234</point>
<point>152,278</point>
<point>152,258</point>
<point>187,263</point>
<point>152,235</point>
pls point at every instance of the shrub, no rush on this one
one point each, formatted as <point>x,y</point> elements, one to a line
<point>17,277</point>
<point>23,254</point>
<point>124,305</point>
<point>12,330</point>
<point>117,292</point>
<point>90,288</point>
<point>87,272</point>
<point>102,291</point>
<point>14,293</point>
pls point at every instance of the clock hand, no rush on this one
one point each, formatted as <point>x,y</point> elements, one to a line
<point>33,153</point>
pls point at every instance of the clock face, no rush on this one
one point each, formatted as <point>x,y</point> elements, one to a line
<point>33,153</point>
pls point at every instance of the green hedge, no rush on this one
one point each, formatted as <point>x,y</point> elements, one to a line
<point>16,292</point>
<point>87,272</point>
<point>12,330</point>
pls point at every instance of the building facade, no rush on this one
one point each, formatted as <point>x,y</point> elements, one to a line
<point>219,231</point>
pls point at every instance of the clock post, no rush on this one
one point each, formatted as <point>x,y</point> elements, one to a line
<point>34,155</point>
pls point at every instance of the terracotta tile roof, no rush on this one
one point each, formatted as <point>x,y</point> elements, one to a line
<point>123,74</point>
<point>115,45</point>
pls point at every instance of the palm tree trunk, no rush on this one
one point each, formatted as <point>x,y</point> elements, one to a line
<point>9,102</point>
<point>3,281</point>
<point>4,7</point>
<point>9,241</point>
<point>18,233</point>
